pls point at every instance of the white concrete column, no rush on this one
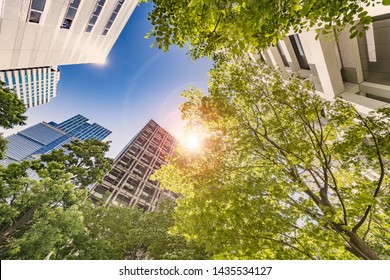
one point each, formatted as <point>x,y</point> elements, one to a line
<point>288,50</point>
<point>277,60</point>
<point>321,54</point>
<point>267,58</point>
<point>358,62</point>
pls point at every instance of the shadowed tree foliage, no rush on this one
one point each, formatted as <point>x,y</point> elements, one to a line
<point>241,26</point>
<point>38,216</point>
<point>114,232</point>
<point>275,179</point>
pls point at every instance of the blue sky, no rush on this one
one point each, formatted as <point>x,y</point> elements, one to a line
<point>137,83</point>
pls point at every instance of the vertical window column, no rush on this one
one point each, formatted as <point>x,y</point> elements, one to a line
<point>36,10</point>
<point>1,8</point>
<point>282,55</point>
<point>298,49</point>
<point>113,16</point>
<point>95,14</point>
<point>70,14</point>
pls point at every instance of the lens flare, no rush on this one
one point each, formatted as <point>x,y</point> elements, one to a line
<point>193,142</point>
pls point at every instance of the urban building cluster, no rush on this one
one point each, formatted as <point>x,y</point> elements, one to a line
<point>36,38</point>
<point>128,182</point>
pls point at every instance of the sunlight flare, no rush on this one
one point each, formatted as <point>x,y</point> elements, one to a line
<point>193,141</point>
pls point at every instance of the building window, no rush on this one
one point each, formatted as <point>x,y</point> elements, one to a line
<point>299,52</point>
<point>374,52</point>
<point>122,199</point>
<point>113,16</point>
<point>70,14</point>
<point>36,10</point>
<point>100,189</point>
<point>282,54</point>
<point>1,8</point>
<point>95,15</point>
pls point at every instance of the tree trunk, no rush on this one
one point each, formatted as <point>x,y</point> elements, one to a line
<point>19,223</point>
<point>360,248</point>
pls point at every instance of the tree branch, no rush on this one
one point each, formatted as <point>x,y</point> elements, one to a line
<point>381,176</point>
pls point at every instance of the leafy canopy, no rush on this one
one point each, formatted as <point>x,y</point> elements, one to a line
<point>11,113</point>
<point>115,232</point>
<point>241,26</point>
<point>274,178</point>
<point>11,108</point>
<point>39,216</point>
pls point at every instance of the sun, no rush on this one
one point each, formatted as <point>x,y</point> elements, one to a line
<point>192,141</point>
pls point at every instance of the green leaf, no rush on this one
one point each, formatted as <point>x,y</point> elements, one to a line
<point>192,3</point>
<point>305,9</point>
<point>386,2</point>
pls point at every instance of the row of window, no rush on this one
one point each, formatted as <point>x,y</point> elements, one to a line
<point>37,7</point>
<point>147,194</point>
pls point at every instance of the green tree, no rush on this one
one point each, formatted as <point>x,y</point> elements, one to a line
<point>114,232</point>
<point>274,178</point>
<point>241,26</point>
<point>38,216</point>
<point>84,159</point>
<point>11,112</point>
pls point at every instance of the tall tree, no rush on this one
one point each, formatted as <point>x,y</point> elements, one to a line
<point>277,179</point>
<point>11,112</point>
<point>38,215</point>
<point>241,26</point>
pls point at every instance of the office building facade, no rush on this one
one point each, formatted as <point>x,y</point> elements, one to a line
<point>44,33</point>
<point>128,183</point>
<point>357,70</point>
<point>44,137</point>
<point>33,86</point>
<point>79,127</point>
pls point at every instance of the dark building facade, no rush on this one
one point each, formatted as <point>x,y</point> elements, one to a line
<point>128,181</point>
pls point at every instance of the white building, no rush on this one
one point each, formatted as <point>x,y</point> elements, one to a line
<point>357,70</point>
<point>34,86</point>
<point>41,33</point>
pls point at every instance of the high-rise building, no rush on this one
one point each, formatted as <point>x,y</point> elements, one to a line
<point>42,33</point>
<point>79,127</point>
<point>34,86</point>
<point>357,70</point>
<point>44,137</point>
<point>38,35</point>
<point>128,182</point>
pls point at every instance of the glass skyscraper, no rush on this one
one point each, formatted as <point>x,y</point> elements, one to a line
<point>33,86</point>
<point>44,137</point>
<point>128,181</point>
<point>79,127</point>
